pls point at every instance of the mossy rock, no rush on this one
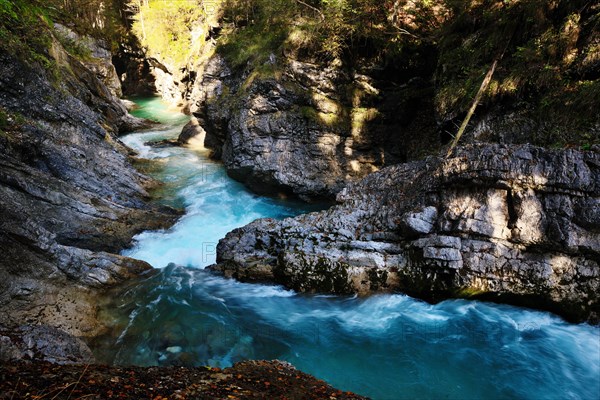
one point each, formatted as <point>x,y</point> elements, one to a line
<point>469,292</point>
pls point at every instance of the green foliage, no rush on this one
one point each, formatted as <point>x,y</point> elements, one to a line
<point>351,24</point>
<point>254,44</point>
<point>337,26</point>
<point>25,26</point>
<point>24,30</point>
<point>100,19</point>
<point>469,292</point>
<point>544,50</point>
<point>166,28</point>
<point>255,29</point>
<point>7,10</point>
<point>74,47</point>
<point>8,122</point>
<point>260,28</point>
<point>541,47</point>
<point>329,29</point>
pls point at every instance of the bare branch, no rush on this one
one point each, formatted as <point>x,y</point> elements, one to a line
<point>315,9</point>
<point>482,89</point>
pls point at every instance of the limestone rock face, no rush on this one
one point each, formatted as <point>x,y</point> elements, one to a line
<point>98,73</point>
<point>517,224</point>
<point>100,61</point>
<point>299,130</point>
<point>69,197</point>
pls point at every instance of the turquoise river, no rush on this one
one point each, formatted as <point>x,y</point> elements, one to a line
<point>385,347</point>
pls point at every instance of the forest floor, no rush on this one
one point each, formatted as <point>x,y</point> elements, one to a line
<point>247,380</point>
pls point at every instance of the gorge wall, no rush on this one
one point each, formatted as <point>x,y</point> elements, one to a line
<point>69,196</point>
<point>299,133</point>
<point>70,199</point>
<point>293,109</point>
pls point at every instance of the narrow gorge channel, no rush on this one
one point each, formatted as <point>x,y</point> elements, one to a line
<point>383,346</point>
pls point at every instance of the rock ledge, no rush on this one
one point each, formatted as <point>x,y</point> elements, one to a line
<point>516,224</point>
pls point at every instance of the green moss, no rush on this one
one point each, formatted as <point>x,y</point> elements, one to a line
<point>262,72</point>
<point>25,31</point>
<point>361,116</point>
<point>315,274</point>
<point>9,123</point>
<point>330,276</point>
<point>377,279</point>
<point>8,118</point>
<point>469,292</point>
<point>309,113</point>
<point>332,120</point>
<point>75,48</point>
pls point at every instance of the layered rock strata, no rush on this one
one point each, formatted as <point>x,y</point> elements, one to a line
<point>516,224</point>
<point>69,197</point>
<point>300,129</point>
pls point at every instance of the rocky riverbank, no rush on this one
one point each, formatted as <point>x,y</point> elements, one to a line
<point>69,197</point>
<point>69,201</point>
<point>516,224</point>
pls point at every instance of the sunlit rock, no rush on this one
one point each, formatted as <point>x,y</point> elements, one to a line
<point>505,223</point>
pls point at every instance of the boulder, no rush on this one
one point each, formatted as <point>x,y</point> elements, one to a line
<point>43,343</point>
<point>99,60</point>
<point>192,132</point>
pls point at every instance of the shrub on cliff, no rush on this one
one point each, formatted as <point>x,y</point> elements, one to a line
<point>23,27</point>
<point>547,53</point>
<point>548,57</point>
